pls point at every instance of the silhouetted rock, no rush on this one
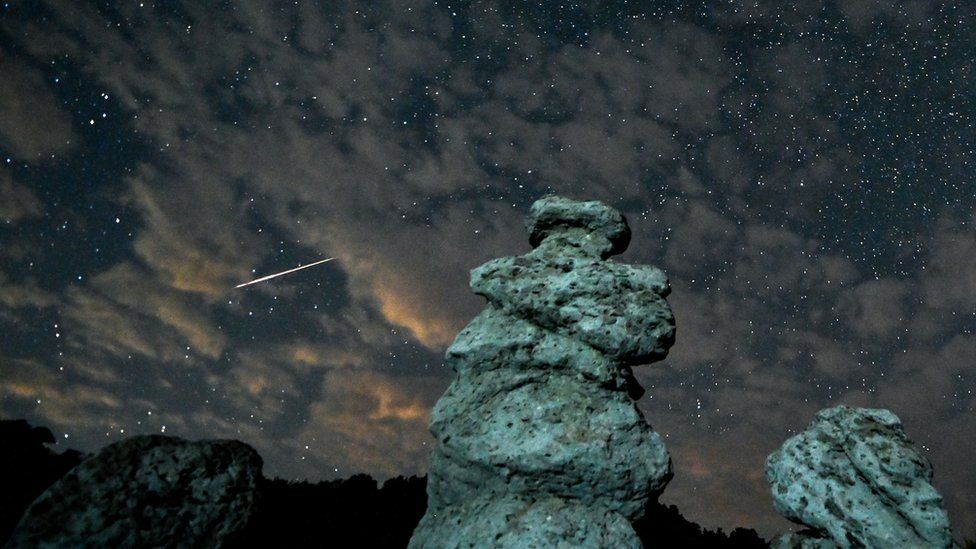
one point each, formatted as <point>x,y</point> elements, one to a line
<point>147,491</point>
<point>663,526</point>
<point>27,468</point>
<point>343,513</point>
<point>855,480</point>
<point>539,439</point>
<point>340,513</point>
<point>354,512</point>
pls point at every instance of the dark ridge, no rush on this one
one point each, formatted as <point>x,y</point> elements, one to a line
<point>27,468</point>
<point>352,512</point>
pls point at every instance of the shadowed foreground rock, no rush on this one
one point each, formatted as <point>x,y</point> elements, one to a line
<point>540,443</point>
<point>855,480</point>
<point>147,491</point>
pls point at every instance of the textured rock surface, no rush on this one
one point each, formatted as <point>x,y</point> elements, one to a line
<point>855,479</point>
<point>147,491</point>
<point>540,443</point>
<point>806,539</point>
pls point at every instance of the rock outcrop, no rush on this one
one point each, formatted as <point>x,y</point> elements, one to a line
<point>539,441</point>
<point>147,491</point>
<point>855,480</point>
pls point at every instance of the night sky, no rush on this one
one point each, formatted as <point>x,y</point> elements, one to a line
<point>802,171</point>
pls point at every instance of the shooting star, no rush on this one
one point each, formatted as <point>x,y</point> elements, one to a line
<point>269,277</point>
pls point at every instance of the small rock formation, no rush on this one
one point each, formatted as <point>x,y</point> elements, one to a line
<point>147,491</point>
<point>540,443</point>
<point>855,480</point>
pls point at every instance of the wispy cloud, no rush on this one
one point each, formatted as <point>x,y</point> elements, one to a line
<point>16,201</point>
<point>389,137</point>
<point>33,126</point>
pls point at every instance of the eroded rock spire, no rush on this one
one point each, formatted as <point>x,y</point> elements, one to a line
<point>539,441</point>
<point>854,479</point>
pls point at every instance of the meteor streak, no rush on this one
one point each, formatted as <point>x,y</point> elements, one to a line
<point>269,277</point>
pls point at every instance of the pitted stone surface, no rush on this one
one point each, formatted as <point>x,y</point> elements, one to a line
<point>510,520</point>
<point>605,231</point>
<point>854,477</point>
<point>540,443</point>
<point>147,491</point>
<point>618,309</point>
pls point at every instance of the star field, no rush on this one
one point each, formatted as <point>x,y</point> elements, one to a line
<point>801,172</point>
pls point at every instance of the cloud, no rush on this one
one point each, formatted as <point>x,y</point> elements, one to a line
<point>692,245</point>
<point>948,284</point>
<point>16,201</point>
<point>602,120</point>
<point>765,14</point>
<point>277,136</point>
<point>24,294</point>
<point>124,311</point>
<point>723,471</point>
<point>727,164</point>
<point>188,244</point>
<point>876,310</point>
<point>915,16</point>
<point>196,250</point>
<point>32,385</point>
<point>860,16</point>
<point>369,421</point>
<point>33,126</point>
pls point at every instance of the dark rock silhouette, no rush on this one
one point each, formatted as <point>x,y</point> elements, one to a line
<point>27,468</point>
<point>663,526</point>
<point>147,491</point>
<point>539,441</point>
<point>356,513</point>
<point>855,480</point>
<point>353,512</point>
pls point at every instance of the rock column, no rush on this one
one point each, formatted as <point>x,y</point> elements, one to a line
<point>539,440</point>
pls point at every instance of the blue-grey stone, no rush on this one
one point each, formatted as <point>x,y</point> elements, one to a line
<point>147,491</point>
<point>539,440</point>
<point>855,479</point>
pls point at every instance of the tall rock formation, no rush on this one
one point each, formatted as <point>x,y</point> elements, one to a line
<point>539,441</point>
<point>855,480</point>
<point>147,491</point>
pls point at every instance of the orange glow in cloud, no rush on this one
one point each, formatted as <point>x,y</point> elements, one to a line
<point>388,406</point>
<point>21,390</point>
<point>401,301</point>
<point>178,260</point>
<point>195,328</point>
<point>255,383</point>
<point>433,333</point>
<point>195,271</point>
<point>80,406</point>
<point>307,354</point>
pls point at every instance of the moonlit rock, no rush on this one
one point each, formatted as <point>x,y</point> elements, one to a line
<point>855,480</point>
<point>148,491</point>
<point>539,440</point>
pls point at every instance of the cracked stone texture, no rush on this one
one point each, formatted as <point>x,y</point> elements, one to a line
<point>147,491</point>
<point>855,480</point>
<point>539,441</point>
